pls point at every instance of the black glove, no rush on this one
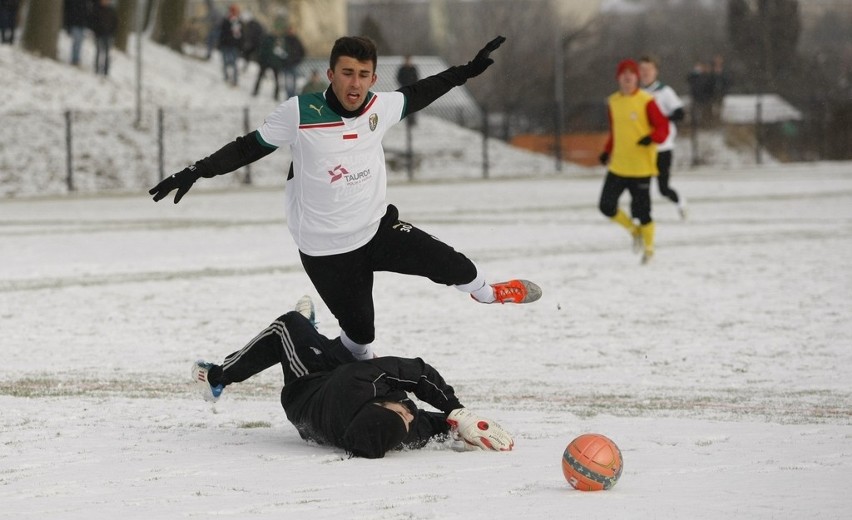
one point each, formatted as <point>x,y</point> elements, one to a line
<point>604,158</point>
<point>477,65</point>
<point>677,115</point>
<point>645,141</point>
<point>182,181</point>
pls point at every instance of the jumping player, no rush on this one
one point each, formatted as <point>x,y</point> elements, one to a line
<point>630,155</point>
<point>672,107</point>
<point>359,406</point>
<point>336,188</point>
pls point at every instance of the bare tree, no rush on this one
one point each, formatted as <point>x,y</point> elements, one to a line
<point>126,10</point>
<point>42,27</point>
<point>521,78</point>
<point>168,29</point>
<point>765,34</point>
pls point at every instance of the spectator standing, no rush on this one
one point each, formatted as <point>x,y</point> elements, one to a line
<point>672,107</point>
<point>77,18</point>
<point>315,83</point>
<point>253,33</point>
<point>407,74</point>
<point>701,90</point>
<point>214,24</point>
<point>270,57</point>
<point>294,53</point>
<point>720,84</point>
<point>8,20</point>
<point>630,155</point>
<point>230,43</point>
<point>104,24</point>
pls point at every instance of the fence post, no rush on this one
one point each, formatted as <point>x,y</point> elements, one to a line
<point>693,134</point>
<point>758,130</point>
<point>69,163</point>
<point>484,142</point>
<point>557,143</point>
<point>160,146</point>
<point>409,149</point>
<point>247,178</point>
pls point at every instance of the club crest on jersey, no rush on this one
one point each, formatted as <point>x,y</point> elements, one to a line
<point>374,122</point>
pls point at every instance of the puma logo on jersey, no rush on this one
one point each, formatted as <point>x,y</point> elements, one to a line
<point>318,109</point>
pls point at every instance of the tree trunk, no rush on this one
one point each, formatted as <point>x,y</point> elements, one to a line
<point>169,26</point>
<point>42,27</point>
<point>126,23</point>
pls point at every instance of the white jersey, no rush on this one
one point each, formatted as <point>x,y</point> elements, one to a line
<point>336,196</point>
<point>667,100</point>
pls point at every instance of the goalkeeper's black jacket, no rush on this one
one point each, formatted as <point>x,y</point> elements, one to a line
<point>321,405</point>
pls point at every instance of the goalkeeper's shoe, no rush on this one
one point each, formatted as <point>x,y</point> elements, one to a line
<point>305,307</point>
<point>199,375</point>
<point>515,291</point>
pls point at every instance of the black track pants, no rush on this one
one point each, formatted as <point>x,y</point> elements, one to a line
<point>290,340</point>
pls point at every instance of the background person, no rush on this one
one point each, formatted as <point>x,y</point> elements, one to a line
<point>672,107</point>
<point>294,54</point>
<point>77,18</point>
<point>104,24</point>
<point>8,20</point>
<point>230,43</point>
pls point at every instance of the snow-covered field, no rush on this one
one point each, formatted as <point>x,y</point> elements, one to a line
<point>721,370</point>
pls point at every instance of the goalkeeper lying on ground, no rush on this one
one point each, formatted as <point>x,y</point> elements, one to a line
<point>359,406</point>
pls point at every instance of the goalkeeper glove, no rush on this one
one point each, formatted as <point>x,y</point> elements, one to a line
<point>603,158</point>
<point>182,181</point>
<point>479,432</point>
<point>645,141</point>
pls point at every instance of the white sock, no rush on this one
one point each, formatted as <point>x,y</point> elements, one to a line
<point>478,288</point>
<point>358,350</point>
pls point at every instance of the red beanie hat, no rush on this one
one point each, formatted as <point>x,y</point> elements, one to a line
<point>626,65</point>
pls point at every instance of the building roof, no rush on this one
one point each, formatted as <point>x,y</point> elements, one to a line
<point>742,109</point>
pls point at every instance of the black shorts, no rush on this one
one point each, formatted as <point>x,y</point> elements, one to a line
<point>640,194</point>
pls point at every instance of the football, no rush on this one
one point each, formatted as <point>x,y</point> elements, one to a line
<point>592,462</point>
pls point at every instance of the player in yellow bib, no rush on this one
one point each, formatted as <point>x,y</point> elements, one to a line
<point>630,154</point>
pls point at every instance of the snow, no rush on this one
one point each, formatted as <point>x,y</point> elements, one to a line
<point>200,114</point>
<point>720,370</point>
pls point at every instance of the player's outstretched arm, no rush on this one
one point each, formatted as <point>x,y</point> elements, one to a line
<point>422,93</point>
<point>236,154</point>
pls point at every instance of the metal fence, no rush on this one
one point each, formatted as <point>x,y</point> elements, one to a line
<point>106,150</point>
<point>44,153</point>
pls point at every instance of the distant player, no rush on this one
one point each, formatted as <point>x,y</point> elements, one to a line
<point>630,155</point>
<point>337,211</point>
<point>672,107</point>
<point>360,406</point>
